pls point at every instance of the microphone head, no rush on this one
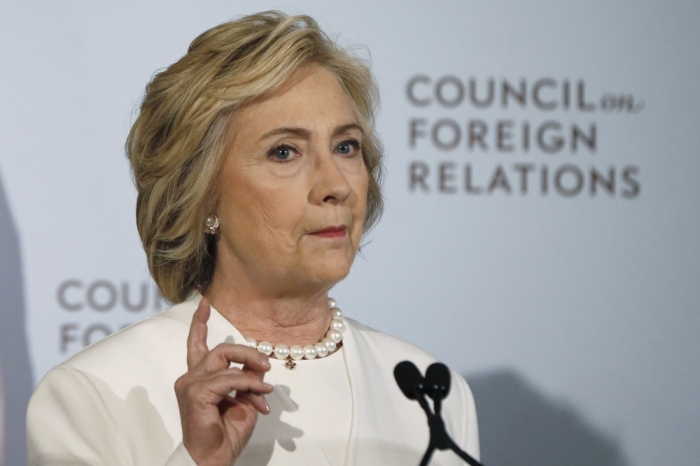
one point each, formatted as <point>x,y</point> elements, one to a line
<point>409,379</point>
<point>437,380</point>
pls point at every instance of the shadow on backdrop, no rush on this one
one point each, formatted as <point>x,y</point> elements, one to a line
<point>14,357</point>
<point>518,425</point>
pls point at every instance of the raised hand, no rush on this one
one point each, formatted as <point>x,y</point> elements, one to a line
<point>216,426</point>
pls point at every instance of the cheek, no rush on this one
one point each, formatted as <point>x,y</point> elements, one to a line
<point>260,214</point>
<point>269,211</point>
<point>361,188</point>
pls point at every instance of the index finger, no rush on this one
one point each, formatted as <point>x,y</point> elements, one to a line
<point>197,339</point>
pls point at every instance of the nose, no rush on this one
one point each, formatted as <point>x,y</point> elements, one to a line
<point>330,183</point>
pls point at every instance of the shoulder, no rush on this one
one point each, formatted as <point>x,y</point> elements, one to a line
<point>116,389</point>
<point>140,343</point>
<point>378,353</point>
<point>387,351</point>
<point>387,347</point>
<point>151,353</point>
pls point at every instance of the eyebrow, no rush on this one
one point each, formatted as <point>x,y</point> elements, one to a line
<point>306,134</point>
<point>348,127</point>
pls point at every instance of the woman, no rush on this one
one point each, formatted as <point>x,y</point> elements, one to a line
<point>258,172</point>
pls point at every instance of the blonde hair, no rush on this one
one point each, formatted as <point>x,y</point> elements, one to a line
<point>177,143</point>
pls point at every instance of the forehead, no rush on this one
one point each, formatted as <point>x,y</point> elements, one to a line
<point>311,97</point>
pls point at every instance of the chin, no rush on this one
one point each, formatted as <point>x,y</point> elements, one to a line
<point>334,274</point>
<point>329,272</point>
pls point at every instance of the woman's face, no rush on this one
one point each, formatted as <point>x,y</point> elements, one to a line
<point>293,188</point>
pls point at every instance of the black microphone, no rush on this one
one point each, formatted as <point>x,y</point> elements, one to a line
<point>437,381</point>
<point>436,385</point>
<point>409,379</point>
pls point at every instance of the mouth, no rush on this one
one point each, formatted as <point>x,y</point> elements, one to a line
<point>331,232</point>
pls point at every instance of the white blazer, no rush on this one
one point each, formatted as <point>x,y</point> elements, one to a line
<point>114,403</point>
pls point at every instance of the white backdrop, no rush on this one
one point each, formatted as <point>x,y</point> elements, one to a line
<point>551,233</point>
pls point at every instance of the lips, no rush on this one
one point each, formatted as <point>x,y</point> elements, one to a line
<point>331,232</point>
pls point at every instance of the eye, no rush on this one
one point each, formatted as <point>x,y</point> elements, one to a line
<point>348,148</point>
<point>282,153</point>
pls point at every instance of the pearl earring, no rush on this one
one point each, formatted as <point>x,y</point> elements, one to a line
<point>211,225</point>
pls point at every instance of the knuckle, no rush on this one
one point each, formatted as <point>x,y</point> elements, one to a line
<point>181,383</point>
<point>219,352</point>
<point>222,348</point>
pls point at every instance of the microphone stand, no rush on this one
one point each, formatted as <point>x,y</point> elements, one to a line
<point>439,438</point>
<point>436,384</point>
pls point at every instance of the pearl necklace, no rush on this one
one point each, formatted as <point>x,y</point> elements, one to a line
<point>323,348</point>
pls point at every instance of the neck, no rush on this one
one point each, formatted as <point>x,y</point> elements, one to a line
<point>266,315</point>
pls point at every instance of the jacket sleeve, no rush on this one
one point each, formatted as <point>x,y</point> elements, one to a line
<point>69,423</point>
<point>469,430</point>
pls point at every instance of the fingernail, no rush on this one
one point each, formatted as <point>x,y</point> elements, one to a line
<point>268,386</point>
<point>267,406</point>
<point>265,362</point>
